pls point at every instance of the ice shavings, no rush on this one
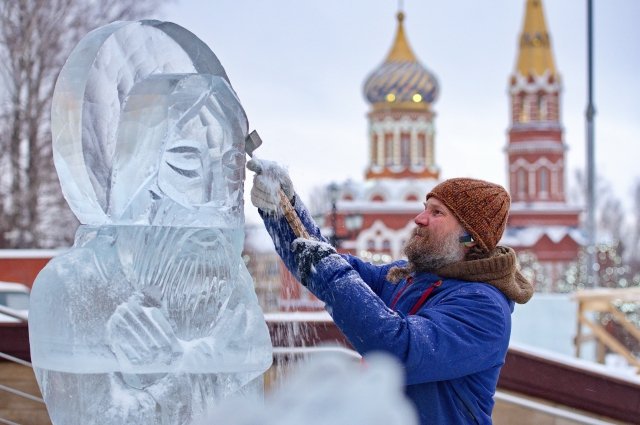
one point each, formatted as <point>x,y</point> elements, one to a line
<point>328,390</point>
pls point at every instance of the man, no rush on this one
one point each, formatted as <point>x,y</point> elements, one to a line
<point>444,313</point>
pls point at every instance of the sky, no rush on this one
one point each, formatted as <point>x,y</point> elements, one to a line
<point>298,68</point>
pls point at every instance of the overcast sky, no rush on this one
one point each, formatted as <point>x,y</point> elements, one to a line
<point>299,66</point>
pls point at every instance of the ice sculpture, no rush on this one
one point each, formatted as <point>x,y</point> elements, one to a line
<point>151,316</point>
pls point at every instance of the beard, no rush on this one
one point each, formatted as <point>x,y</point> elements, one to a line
<point>428,253</point>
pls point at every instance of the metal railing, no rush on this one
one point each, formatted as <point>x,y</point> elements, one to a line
<point>22,318</point>
<point>14,391</point>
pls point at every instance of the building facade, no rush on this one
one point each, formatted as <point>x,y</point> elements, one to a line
<point>542,226</point>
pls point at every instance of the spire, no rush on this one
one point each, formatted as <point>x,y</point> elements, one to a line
<point>400,51</point>
<point>535,56</point>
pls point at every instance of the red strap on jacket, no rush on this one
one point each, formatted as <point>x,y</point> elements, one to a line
<point>400,292</point>
<point>422,298</point>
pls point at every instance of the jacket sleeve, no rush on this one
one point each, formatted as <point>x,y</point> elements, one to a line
<point>375,276</point>
<point>282,236</point>
<point>465,333</point>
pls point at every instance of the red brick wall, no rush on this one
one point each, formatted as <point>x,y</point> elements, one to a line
<point>22,270</point>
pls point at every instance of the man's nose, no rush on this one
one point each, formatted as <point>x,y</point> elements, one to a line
<point>422,219</point>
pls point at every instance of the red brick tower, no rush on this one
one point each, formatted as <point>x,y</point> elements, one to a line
<point>541,222</point>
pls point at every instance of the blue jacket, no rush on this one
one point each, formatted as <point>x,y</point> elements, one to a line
<point>452,348</point>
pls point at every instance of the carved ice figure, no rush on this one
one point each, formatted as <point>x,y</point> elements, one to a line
<point>151,315</point>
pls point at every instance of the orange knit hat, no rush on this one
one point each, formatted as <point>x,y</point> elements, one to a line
<point>481,207</point>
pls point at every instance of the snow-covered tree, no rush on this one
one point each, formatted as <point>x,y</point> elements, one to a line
<point>36,37</point>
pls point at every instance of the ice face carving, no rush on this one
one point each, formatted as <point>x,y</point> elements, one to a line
<point>152,314</point>
<point>182,163</point>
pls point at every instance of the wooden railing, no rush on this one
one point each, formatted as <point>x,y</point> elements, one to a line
<point>595,301</point>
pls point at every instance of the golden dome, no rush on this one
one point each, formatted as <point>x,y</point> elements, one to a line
<point>401,80</point>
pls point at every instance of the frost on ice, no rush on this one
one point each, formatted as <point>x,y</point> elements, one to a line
<point>151,316</point>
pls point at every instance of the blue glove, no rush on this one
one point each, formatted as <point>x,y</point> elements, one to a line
<point>308,253</point>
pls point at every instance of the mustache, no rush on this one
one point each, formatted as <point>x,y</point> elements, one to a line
<point>418,231</point>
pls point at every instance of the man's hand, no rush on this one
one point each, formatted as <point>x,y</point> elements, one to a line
<point>269,178</point>
<point>308,253</point>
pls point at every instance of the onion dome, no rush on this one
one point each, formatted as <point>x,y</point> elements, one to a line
<point>401,81</point>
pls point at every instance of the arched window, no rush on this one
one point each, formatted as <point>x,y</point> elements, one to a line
<point>386,245</point>
<point>544,182</point>
<point>525,109</point>
<point>419,157</point>
<point>374,150</point>
<point>543,110</point>
<point>405,142</point>
<point>521,183</point>
<point>388,149</point>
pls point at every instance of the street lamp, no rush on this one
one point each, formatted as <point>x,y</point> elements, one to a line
<point>352,222</point>
<point>334,191</point>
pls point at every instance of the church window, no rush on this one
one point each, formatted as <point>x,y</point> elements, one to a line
<point>388,148</point>
<point>544,182</point>
<point>386,245</point>
<point>420,150</point>
<point>405,141</point>
<point>521,183</point>
<point>374,149</point>
<point>371,245</point>
<point>525,109</point>
<point>543,109</point>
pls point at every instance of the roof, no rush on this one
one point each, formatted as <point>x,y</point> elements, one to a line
<point>401,81</point>
<point>529,236</point>
<point>535,57</point>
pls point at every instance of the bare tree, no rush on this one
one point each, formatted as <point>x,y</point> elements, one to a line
<point>610,215</point>
<point>36,37</point>
<point>633,253</point>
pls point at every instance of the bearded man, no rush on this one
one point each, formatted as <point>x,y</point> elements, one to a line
<point>445,313</point>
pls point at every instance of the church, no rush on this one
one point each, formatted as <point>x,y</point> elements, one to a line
<point>373,218</point>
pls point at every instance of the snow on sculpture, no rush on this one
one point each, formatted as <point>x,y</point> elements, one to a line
<point>151,315</point>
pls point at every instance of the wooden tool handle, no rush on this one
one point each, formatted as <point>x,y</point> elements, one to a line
<point>292,217</point>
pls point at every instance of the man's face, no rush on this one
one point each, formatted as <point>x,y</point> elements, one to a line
<point>435,242</point>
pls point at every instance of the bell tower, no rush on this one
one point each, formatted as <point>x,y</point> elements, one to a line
<point>535,150</point>
<point>541,222</point>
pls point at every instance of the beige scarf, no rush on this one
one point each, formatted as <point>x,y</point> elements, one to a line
<point>499,269</point>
